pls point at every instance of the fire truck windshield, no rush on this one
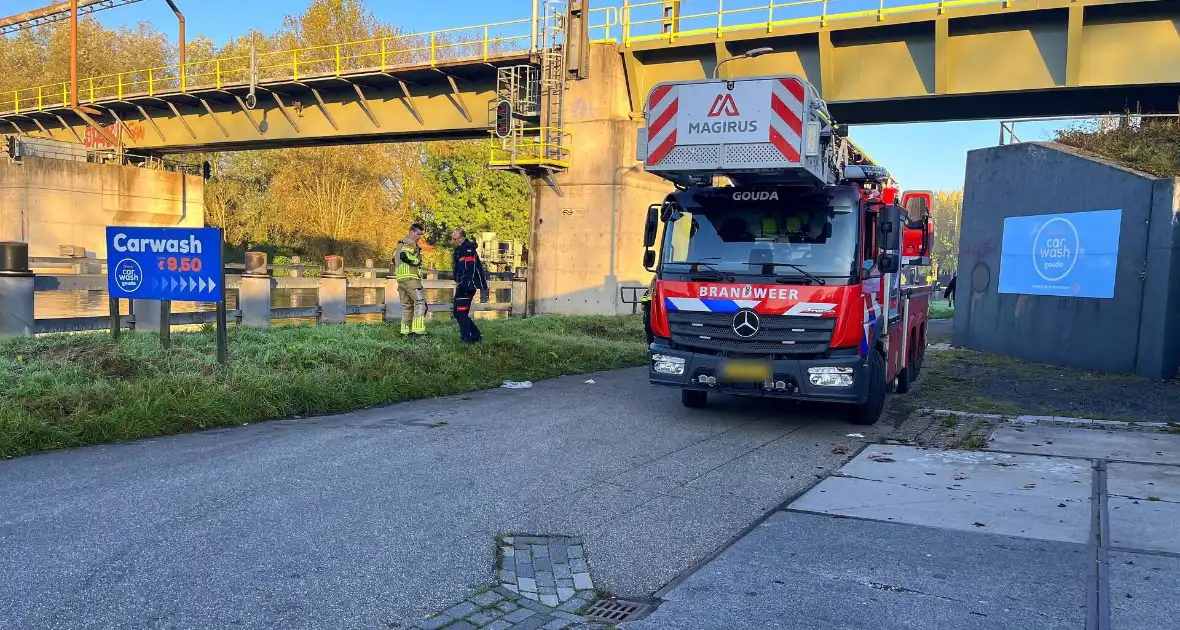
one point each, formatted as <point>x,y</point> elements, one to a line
<point>743,231</point>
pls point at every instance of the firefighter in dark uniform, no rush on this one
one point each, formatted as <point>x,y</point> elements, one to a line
<point>470,278</point>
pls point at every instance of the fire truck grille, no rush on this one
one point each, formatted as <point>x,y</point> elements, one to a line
<point>777,334</point>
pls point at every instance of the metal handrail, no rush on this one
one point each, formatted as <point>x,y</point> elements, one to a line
<point>433,47</point>
<point>1008,127</point>
<point>532,146</point>
<point>712,21</point>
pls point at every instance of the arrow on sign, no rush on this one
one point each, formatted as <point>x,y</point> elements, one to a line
<point>201,282</point>
<point>212,285</point>
<point>173,283</point>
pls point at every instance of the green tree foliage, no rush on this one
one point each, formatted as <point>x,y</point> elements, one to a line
<point>357,201</point>
<point>469,195</point>
<point>946,214</point>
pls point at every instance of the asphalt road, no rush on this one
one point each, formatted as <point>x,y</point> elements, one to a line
<point>377,518</point>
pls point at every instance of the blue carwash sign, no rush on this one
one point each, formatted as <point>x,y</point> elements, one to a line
<point>1068,255</point>
<point>179,264</point>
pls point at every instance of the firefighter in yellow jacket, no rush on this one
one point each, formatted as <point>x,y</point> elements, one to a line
<point>407,260</point>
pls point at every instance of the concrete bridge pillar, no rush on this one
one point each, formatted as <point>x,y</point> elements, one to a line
<point>589,242</point>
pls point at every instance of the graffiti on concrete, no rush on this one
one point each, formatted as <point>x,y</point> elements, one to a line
<point>133,131</point>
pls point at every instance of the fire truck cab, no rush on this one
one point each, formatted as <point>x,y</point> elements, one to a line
<point>786,282</point>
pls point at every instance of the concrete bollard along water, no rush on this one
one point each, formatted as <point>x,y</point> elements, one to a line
<point>16,291</point>
<point>254,296</point>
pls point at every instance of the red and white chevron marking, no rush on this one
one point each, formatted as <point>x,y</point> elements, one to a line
<point>661,131</point>
<point>786,126</point>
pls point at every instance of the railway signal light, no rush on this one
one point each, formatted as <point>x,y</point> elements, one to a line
<point>503,119</point>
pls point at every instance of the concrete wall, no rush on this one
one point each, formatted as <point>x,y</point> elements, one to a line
<point>589,242</point>
<point>1137,330</point>
<point>49,203</point>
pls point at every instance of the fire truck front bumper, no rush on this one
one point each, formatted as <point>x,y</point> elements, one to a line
<point>837,379</point>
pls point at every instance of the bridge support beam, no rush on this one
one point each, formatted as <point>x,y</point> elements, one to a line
<point>589,240</point>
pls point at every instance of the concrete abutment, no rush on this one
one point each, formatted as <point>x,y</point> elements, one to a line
<point>588,242</point>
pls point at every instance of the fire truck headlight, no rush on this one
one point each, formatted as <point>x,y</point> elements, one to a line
<point>830,376</point>
<point>664,364</point>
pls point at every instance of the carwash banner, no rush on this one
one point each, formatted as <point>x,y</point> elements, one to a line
<point>1067,255</point>
<point>179,264</point>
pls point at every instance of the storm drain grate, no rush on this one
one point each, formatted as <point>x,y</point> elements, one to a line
<point>615,610</point>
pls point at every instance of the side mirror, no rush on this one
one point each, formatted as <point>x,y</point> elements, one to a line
<point>652,225</point>
<point>917,204</point>
<point>889,228</point>
<point>649,260</point>
<point>668,212</point>
<point>889,263</point>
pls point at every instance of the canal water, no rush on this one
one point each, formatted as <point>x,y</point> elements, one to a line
<point>60,304</point>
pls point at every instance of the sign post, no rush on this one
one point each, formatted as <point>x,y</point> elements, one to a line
<point>168,264</point>
<point>222,334</point>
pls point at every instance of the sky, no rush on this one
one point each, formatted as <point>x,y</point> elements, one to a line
<point>920,156</point>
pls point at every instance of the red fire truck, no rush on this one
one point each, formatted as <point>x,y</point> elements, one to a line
<point>786,281</point>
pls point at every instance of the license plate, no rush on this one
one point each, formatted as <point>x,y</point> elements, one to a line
<point>746,371</point>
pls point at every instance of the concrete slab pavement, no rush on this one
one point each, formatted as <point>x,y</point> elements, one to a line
<point>1016,495</point>
<point>800,571</point>
<point>388,515</point>
<point>904,537</point>
<point>1111,445</point>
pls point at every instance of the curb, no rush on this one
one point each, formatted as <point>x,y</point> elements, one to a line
<point>1059,421</point>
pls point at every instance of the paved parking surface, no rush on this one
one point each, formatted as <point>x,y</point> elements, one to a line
<point>384,516</point>
<point>1052,527</point>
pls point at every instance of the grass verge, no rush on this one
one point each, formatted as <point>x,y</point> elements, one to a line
<point>940,310</point>
<point>963,380</point>
<point>76,390</point>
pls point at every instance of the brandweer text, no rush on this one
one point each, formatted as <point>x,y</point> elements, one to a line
<point>759,293</point>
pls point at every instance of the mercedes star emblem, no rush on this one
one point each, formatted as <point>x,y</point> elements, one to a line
<point>745,323</point>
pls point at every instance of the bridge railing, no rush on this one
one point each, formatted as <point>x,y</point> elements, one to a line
<point>473,43</point>
<point>632,21</point>
<point>647,20</point>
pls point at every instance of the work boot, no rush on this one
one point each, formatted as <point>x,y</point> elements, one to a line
<point>405,330</point>
<point>419,326</point>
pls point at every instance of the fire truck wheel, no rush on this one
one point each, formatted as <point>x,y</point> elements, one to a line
<point>908,374</point>
<point>694,398</point>
<point>870,411</point>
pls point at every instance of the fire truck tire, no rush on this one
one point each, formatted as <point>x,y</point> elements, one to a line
<point>908,374</point>
<point>694,398</point>
<point>870,411</point>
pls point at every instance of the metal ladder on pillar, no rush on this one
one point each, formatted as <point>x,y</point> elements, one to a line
<point>536,143</point>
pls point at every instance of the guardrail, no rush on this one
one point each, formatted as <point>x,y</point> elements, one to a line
<point>1108,122</point>
<point>255,286</point>
<point>330,308</point>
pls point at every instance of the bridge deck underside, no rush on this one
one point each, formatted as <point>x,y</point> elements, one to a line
<point>443,101</point>
<point>995,60</point>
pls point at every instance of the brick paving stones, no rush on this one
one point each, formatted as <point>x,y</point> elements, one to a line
<point>544,583</point>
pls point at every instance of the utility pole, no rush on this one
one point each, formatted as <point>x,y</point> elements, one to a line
<point>74,54</point>
<point>180,20</point>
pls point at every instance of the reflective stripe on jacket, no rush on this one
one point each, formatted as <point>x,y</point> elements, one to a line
<point>407,260</point>
<point>468,269</point>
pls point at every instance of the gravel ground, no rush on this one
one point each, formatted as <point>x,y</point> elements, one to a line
<point>963,380</point>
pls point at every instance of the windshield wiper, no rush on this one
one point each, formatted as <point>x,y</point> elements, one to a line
<point>728,277</point>
<point>799,268</point>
